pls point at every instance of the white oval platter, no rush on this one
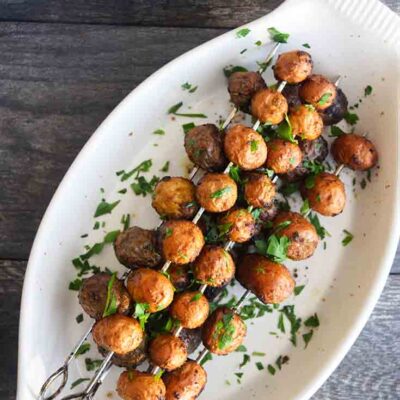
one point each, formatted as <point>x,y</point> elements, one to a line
<point>354,39</point>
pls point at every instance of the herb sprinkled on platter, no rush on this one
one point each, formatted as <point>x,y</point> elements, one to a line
<point>219,193</point>
<point>176,107</point>
<point>277,36</point>
<point>284,130</point>
<point>271,369</point>
<point>230,69</point>
<point>324,98</point>
<point>307,337</point>
<point>142,313</point>
<point>367,90</point>
<point>259,365</point>
<point>187,127</point>
<point>298,290</point>
<point>165,167</point>
<point>159,132</point>
<point>105,208</point>
<point>83,348</point>
<point>336,131</point>
<point>321,231</point>
<point>207,357</point>
<point>79,318</point>
<point>242,32</point>
<point>312,322</point>
<point>79,381</point>
<point>351,118</point>
<point>91,364</point>
<point>348,238</point>
<point>306,45</point>
<point>258,43</point>
<point>111,301</point>
<point>189,87</point>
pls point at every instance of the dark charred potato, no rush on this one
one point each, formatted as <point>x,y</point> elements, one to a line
<point>301,233</point>
<point>212,292</point>
<point>167,351</point>
<point>354,151</point>
<point>151,287</point>
<point>214,266</point>
<point>245,147</point>
<point>269,281</point>
<point>186,382</point>
<point>313,151</point>
<point>293,66</point>
<point>137,247</point>
<point>216,192</point>
<point>203,145</point>
<point>242,86</point>
<point>223,332</point>
<point>118,333</point>
<point>306,122</point>
<point>240,225</point>
<point>174,198</point>
<point>325,194</point>
<point>190,309</point>
<point>291,94</point>
<point>181,240</point>
<point>283,156</point>
<point>268,105</point>
<point>128,360</point>
<point>93,295</point>
<point>179,276</point>
<point>269,213</point>
<point>136,385</point>
<point>336,112</point>
<point>318,91</point>
<point>259,190</point>
<point>191,338</point>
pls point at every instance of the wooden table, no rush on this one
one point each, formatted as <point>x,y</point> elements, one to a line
<point>63,67</point>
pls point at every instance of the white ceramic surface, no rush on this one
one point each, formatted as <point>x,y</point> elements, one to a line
<point>355,39</point>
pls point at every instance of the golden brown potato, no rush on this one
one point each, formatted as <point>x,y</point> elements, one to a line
<point>318,91</point>
<point>283,156</point>
<point>182,241</point>
<point>325,193</point>
<point>151,287</point>
<point>242,86</point>
<point>293,66</point>
<point>240,225</point>
<point>245,147</point>
<point>223,332</point>
<point>186,382</point>
<point>301,233</point>
<point>216,192</point>
<point>306,122</point>
<point>204,147</point>
<point>179,275</point>
<point>137,247</point>
<point>94,291</point>
<point>174,198</point>
<point>269,281</point>
<point>190,309</point>
<point>268,105</point>
<point>214,266</point>
<point>259,190</point>
<point>167,351</point>
<point>118,333</point>
<point>136,385</point>
<point>354,151</point>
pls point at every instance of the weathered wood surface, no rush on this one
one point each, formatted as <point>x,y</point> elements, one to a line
<point>189,13</point>
<point>59,81</point>
<point>370,370</point>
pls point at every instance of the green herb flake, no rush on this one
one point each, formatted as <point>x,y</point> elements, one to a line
<point>258,43</point>
<point>234,173</point>
<point>122,191</point>
<point>189,87</point>
<point>324,98</point>
<point>336,131</point>
<point>75,284</point>
<point>111,301</point>
<point>246,359</point>
<point>321,231</point>
<point>96,225</point>
<point>83,348</point>
<point>230,69</point>
<point>242,32</point>
<point>312,322</point>
<point>284,130</point>
<point>309,182</point>
<point>219,193</point>
<point>259,365</point>
<point>277,36</point>
<point>143,187</point>
<point>196,297</point>
<point>305,208</point>
<point>141,313</point>
<point>168,232</point>
<point>207,357</point>
<point>78,382</point>
<point>271,369</point>
<point>144,166</point>
<point>187,127</point>
<point>348,238</point>
<point>126,221</point>
<point>314,167</point>
<point>351,118</point>
<point>281,323</point>
<point>105,208</point>
<point>91,365</point>
<point>258,354</point>
<point>363,183</point>
<point>306,45</point>
<point>241,348</point>
<point>79,318</point>
<point>307,337</point>
<point>165,167</point>
<point>277,248</point>
<point>253,145</point>
<point>295,323</point>
<point>175,108</point>
<point>298,290</point>
<point>367,90</point>
<point>159,132</point>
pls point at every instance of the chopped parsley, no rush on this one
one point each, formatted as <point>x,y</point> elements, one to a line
<point>307,337</point>
<point>196,297</point>
<point>224,330</point>
<point>258,43</point>
<point>258,354</point>
<point>277,36</point>
<point>242,32</point>
<point>324,98</point>
<point>309,182</point>
<point>105,208</point>
<point>175,108</point>
<point>143,187</point>
<point>298,290</point>
<point>351,118</point>
<point>83,348</point>
<point>159,132</point>
<point>259,365</point>
<point>336,131</point>
<point>122,191</point>
<point>253,145</point>
<point>289,188</point>
<point>367,90</point>
<point>111,301</point>
<point>312,322</point>
<point>284,130</point>
<point>274,247</point>
<point>363,183</point>
<point>219,193</point>
<point>142,313</point>
<point>96,225</point>
<point>306,45</point>
<point>207,357</point>
<point>321,231</point>
<point>187,127</point>
<point>243,51</point>
<point>165,167</point>
<point>79,318</point>
<point>144,166</point>
<point>91,365</point>
<point>348,238</point>
<point>295,323</point>
<point>241,348</point>
<point>98,247</point>
<point>230,69</point>
<point>189,87</point>
<point>78,382</point>
<point>315,167</point>
<point>125,221</point>
<point>305,208</point>
<point>234,173</point>
<point>246,359</point>
<point>271,369</point>
<point>281,323</point>
<point>75,284</point>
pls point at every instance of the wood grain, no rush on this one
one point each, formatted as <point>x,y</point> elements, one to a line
<point>369,371</point>
<point>189,13</point>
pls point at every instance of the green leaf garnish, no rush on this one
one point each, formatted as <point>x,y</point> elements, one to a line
<point>277,36</point>
<point>324,99</point>
<point>271,369</point>
<point>141,313</point>
<point>298,289</point>
<point>187,127</point>
<point>242,32</point>
<point>196,297</point>
<point>259,365</point>
<point>159,132</point>
<point>105,208</point>
<point>142,167</point>
<point>321,231</point>
<point>284,130</point>
<point>351,118</point>
<point>348,238</point>
<point>253,145</point>
<point>229,70</point>
<point>83,348</point>
<point>307,337</point>
<point>367,90</point>
<point>165,167</point>
<point>219,193</point>
<point>306,45</point>
<point>312,322</point>
<point>78,382</point>
<point>111,301</point>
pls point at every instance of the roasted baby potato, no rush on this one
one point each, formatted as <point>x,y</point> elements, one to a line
<point>136,385</point>
<point>270,106</point>
<point>306,122</point>
<point>318,91</point>
<point>283,156</point>
<point>240,225</point>
<point>259,190</point>
<point>293,66</point>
